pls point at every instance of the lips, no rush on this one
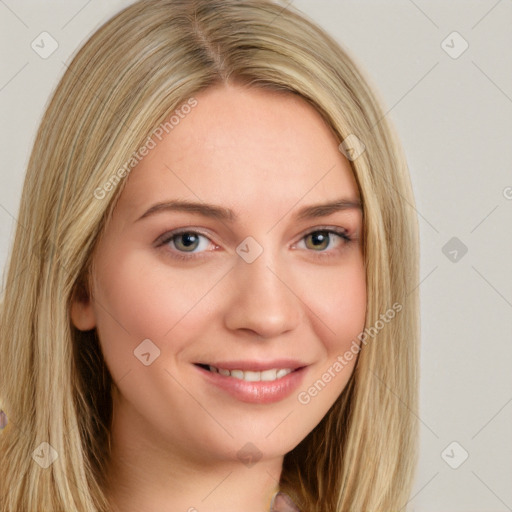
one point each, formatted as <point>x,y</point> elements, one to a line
<point>255,382</point>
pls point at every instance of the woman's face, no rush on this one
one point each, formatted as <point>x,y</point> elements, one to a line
<point>242,266</point>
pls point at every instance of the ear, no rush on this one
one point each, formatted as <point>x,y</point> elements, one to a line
<point>82,311</point>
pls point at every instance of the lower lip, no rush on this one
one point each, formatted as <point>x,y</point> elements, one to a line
<point>261,392</point>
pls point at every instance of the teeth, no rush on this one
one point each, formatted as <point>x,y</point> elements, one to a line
<point>238,374</point>
<point>282,373</point>
<point>250,376</point>
<point>269,374</point>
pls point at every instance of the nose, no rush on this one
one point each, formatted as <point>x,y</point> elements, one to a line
<point>262,299</point>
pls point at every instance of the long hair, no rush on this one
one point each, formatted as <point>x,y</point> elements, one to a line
<point>132,75</point>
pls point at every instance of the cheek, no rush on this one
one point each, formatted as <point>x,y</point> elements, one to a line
<point>339,302</point>
<point>339,306</point>
<point>135,300</point>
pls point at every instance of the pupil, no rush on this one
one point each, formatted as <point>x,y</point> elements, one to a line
<point>188,240</point>
<point>320,238</point>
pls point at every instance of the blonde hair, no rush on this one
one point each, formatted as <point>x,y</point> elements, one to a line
<point>126,80</point>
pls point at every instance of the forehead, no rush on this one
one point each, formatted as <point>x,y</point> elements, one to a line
<point>248,149</point>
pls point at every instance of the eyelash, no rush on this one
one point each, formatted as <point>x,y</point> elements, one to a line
<point>180,255</point>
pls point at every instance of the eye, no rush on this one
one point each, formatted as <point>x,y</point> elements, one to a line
<point>180,244</point>
<point>322,239</point>
<point>188,241</point>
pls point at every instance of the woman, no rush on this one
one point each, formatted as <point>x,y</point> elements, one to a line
<point>211,303</point>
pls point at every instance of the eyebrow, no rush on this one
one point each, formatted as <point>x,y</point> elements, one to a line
<point>226,214</point>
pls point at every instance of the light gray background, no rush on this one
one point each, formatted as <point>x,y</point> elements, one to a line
<point>454,117</point>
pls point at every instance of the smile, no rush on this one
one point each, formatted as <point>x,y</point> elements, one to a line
<point>257,382</point>
<point>252,376</point>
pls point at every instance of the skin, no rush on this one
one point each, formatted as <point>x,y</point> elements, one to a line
<point>175,437</point>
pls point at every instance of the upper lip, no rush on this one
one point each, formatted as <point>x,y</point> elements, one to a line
<point>257,366</point>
